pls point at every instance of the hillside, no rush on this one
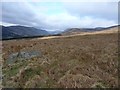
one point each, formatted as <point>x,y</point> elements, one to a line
<point>73,31</point>
<point>21,31</point>
<point>109,30</point>
<point>81,61</point>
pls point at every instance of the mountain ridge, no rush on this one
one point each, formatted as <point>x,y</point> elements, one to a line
<point>18,32</point>
<point>10,32</point>
<point>71,31</point>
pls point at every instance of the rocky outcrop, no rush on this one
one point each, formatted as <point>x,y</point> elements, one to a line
<point>14,57</point>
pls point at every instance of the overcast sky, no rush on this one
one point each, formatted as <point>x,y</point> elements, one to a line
<point>60,15</point>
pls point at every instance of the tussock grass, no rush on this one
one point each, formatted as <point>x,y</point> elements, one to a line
<point>78,61</point>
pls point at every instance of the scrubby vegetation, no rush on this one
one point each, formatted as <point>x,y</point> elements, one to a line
<point>71,62</point>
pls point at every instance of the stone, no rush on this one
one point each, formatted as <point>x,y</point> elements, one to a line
<point>14,57</point>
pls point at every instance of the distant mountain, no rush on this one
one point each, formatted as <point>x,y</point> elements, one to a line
<point>21,31</point>
<point>77,30</point>
<point>13,32</point>
<point>71,31</point>
<point>7,33</point>
<point>55,32</point>
<point>112,27</point>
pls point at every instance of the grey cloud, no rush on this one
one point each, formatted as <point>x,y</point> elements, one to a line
<point>107,10</point>
<point>16,13</point>
<point>24,14</point>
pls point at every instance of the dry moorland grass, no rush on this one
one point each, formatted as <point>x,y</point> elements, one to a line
<point>78,61</point>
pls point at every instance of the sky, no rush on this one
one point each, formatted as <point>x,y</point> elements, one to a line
<point>59,15</point>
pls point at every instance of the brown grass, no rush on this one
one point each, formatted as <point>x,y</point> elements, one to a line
<point>77,61</point>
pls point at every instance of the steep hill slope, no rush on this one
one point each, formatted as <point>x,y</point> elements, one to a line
<point>21,31</point>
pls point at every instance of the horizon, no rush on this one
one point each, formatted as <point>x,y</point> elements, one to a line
<point>58,16</point>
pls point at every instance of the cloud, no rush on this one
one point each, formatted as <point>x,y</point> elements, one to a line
<point>60,15</point>
<point>60,1</point>
<point>17,13</point>
<point>107,10</point>
<point>67,21</point>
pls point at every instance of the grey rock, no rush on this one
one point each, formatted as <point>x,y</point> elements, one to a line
<point>26,55</point>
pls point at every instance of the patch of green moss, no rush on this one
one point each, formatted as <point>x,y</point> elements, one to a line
<point>98,85</point>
